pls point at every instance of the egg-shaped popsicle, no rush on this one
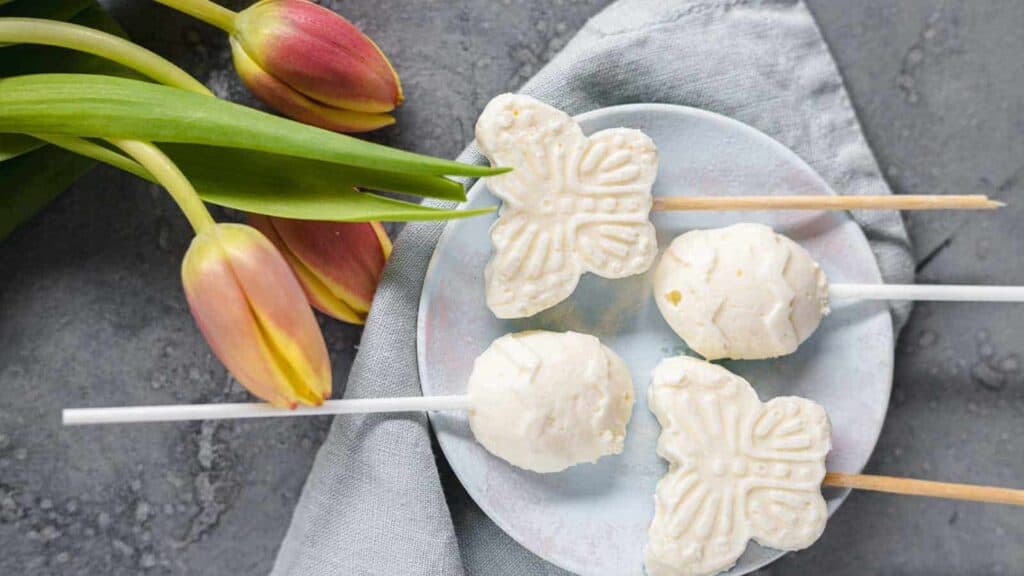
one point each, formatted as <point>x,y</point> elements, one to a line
<point>747,292</point>
<point>545,401</point>
<point>742,292</point>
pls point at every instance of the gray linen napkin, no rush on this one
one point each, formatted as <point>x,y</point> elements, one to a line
<point>375,502</point>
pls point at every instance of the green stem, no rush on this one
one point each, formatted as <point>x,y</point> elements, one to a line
<point>90,149</point>
<point>92,41</point>
<point>170,177</point>
<point>212,14</point>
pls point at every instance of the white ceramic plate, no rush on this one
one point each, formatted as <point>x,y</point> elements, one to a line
<point>592,519</point>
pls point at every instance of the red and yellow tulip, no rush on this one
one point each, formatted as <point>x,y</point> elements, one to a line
<point>339,264</point>
<point>253,313</point>
<point>314,66</point>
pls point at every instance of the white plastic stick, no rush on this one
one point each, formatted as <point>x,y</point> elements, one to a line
<point>949,293</point>
<point>179,412</point>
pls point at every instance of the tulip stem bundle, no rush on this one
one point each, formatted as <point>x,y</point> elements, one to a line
<point>92,41</point>
<point>98,43</point>
<point>288,177</point>
<point>149,162</point>
<point>209,12</point>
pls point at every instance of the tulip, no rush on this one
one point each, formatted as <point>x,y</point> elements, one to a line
<point>306,62</point>
<point>338,264</point>
<point>244,298</point>
<point>314,65</point>
<point>252,311</point>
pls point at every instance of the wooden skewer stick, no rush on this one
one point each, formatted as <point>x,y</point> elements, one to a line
<point>912,487</point>
<point>181,412</point>
<point>822,202</point>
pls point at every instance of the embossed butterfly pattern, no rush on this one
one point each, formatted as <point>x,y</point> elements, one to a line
<point>571,204</point>
<point>739,469</point>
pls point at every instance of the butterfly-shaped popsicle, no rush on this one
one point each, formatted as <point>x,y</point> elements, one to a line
<point>572,204</point>
<point>739,469</point>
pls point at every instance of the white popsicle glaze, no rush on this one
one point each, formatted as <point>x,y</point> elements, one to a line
<point>742,291</point>
<point>546,401</point>
<point>571,204</point>
<point>739,469</point>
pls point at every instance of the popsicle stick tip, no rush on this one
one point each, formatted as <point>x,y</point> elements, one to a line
<point>927,488</point>
<point>986,203</point>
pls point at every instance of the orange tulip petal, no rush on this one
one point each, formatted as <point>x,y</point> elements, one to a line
<point>347,257</point>
<point>320,296</point>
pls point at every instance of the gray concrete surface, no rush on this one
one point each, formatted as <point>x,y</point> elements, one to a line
<point>92,313</point>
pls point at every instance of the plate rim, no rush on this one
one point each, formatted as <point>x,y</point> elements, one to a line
<point>449,225</point>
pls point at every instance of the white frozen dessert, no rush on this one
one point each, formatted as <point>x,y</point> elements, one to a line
<point>546,401</point>
<point>739,469</point>
<point>571,204</point>
<point>742,292</point>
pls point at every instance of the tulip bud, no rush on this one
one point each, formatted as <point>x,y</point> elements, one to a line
<point>252,312</point>
<point>339,264</point>
<point>314,65</point>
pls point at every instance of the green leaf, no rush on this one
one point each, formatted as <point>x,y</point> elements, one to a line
<point>33,180</point>
<point>341,206</point>
<point>286,176</point>
<point>107,107</point>
<point>307,189</point>
<point>275,185</point>
<point>12,145</point>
